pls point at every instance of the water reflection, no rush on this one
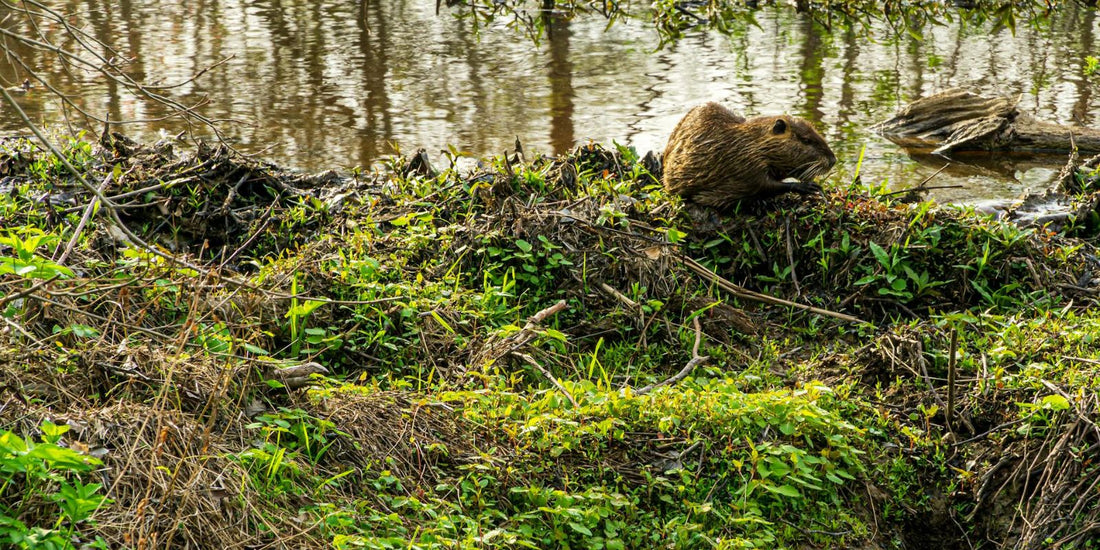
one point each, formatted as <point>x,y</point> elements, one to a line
<point>560,71</point>
<point>327,84</point>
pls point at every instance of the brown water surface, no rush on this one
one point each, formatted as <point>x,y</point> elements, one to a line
<point>336,84</point>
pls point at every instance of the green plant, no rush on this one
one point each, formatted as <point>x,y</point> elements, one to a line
<point>298,314</point>
<point>35,472</point>
<point>1039,417</point>
<point>535,264</point>
<point>297,430</point>
<point>291,442</point>
<point>1092,65</point>
<point>894,274</point>
<point>27,263</point>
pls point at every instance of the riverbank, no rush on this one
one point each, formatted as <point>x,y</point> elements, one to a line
<point>530,352</point>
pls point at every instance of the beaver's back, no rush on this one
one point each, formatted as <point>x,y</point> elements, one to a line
<point>717,157</point>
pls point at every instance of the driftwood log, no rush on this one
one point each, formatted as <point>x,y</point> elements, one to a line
<point>959,120</point>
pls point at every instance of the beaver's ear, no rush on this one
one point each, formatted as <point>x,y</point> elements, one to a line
<point>780,126</point>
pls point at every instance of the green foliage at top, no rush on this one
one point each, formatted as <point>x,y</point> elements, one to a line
<point>674,18</point>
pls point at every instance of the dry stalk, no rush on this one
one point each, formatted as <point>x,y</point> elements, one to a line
<point>921,187</point>
<point>531,361</point>
<point>495,350</point>
<point>951,380</point>
<point>83,221</point>
<point>695,361</point>
<point>619,296</point>
<point>790,255</point>
<point>928,380</point>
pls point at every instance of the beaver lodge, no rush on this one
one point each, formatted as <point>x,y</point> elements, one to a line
<point>538,352</point>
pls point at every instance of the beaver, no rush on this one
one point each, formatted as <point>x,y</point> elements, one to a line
<point>716,157</point>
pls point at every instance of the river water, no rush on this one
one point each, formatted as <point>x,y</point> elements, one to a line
<point>337,84</point>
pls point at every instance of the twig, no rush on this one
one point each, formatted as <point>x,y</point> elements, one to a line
<point>531,361</point>
<point>23,331</point>
<point>67,57</point>
<point>191,78</point>
<point>685,11</point>
<point>619,296</point>
<point>1083,415</point>
<point>26,292</point>
<point>921,186</point>
<point>844,303</point>
<point>951,379</point>
<point>744,293</point>
<point>510,344</point>
<point>936,395</point>
<point>810,532</point>
<point>918,189</point>
<point>690,366</point>
<point>267,220</point>
<point>151,188</point>
<point>790,255</point>
<point>756,244</point>
<point>994,429</point>
<point>695,361</point>
<point>1081,359</point>
<point>535,320</point>
<point>84,220</point>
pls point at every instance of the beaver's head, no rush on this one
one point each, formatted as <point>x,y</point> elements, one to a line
<point>793,149</point>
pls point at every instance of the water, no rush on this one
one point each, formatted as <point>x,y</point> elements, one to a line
<point>327,84</point>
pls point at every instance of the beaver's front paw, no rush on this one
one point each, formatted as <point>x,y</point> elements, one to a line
<point>804,188</point>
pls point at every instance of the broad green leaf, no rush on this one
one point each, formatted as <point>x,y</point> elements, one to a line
<point>1056,402</point>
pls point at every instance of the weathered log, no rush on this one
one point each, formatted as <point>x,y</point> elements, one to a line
<point>959,120</point>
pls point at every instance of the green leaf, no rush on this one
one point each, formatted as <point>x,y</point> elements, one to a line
<point>866,280</point>
<point>11,443</point>
<point>785,490</point>
<point>523,245</point>
<point>880,254</point>
<point>675,235</point>
<point>1056,402</point>
<point>844,474</point>
<point>51,430</point>
<point>84,331</point>
<point>61,457</point>
<point>305,308</point>
<point>555,334</point>
<point>778,468</point>
<point>580,528</point>
<point>253,349</point>
<point>439,319</point>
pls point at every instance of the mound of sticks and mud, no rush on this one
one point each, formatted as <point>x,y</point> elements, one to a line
<point>175,310</point>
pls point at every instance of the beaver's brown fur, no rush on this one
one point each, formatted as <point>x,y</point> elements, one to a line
<point>716,157</point>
